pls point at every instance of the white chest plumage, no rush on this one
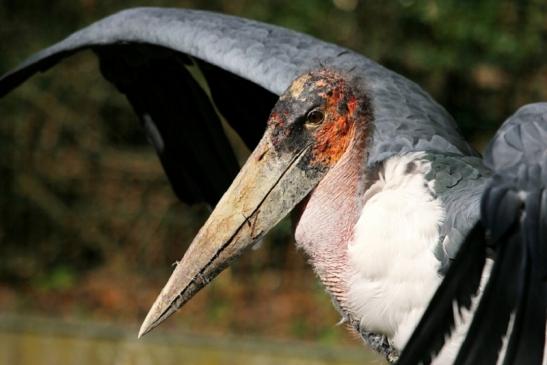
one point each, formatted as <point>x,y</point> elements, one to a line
<point>393,269</point>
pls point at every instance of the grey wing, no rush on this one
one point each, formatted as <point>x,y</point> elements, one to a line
<point>145,52</point>
<point>142,50</point>
<point>513,229</point>
<point>246,64</point>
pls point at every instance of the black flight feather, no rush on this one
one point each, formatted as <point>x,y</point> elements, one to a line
<point>498,300</point>
<point>527,339</point>
<point>178,119</point>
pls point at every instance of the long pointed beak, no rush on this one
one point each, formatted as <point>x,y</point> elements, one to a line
<point>268,186</point>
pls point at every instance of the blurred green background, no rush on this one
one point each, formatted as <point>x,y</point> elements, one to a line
<point>89,227</point>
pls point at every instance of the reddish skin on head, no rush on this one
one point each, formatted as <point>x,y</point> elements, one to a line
<point>334,136</point>
<point>331,138</point>
<point>329,93</point>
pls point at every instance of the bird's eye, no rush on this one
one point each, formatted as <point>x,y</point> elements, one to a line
<point>315,117</point>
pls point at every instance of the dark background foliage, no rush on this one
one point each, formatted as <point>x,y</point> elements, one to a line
<point>88,224</point>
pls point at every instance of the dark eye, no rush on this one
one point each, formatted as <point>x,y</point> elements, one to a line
<point>315,116</point>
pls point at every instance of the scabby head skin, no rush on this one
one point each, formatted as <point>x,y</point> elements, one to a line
<point>321,109</point>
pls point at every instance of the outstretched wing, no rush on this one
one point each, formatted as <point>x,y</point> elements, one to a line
<point>145,52</point>
<point>246,64</point>
<point>514,227</point>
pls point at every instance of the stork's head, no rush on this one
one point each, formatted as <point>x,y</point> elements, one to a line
<point>315,123</point>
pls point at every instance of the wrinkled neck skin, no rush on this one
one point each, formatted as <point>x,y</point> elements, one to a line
<point>328,217</point>
<point>325,227</point>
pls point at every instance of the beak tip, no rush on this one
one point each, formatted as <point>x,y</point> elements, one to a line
<point>146,326</point>
<point>143,331</point>
<point>159,312</point>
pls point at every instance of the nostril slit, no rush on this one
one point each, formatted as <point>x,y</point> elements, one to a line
<point>261,156</point>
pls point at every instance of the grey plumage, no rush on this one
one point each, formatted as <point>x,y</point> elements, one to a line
<point>521,142</point>
<point>459,184</point>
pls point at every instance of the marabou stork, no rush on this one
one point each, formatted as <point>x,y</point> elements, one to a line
<point>384,186</point>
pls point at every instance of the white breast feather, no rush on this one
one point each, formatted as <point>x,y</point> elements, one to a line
<point>394,271</point>
<point>393,268</point>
